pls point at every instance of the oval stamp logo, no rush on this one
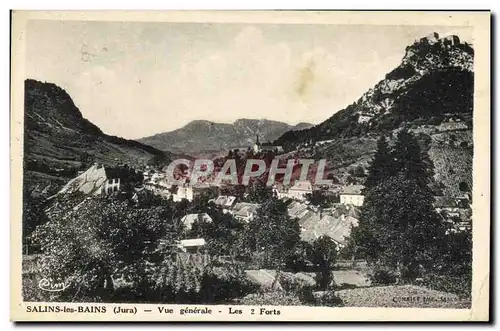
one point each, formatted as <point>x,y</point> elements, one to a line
<point>51,286</point>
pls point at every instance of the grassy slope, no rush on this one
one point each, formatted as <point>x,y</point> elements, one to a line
<point>452,162</point>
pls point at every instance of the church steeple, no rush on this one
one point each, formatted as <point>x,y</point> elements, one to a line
<point>256,145</point>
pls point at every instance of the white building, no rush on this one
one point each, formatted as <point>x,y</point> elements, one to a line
<point>352,195</point>
<point>244,211</point>
<point>266,147</point>
<point>112,185</point>
<point>224,201</point>
<point>183,192</point>
<point>323,142</point>
<point>191,245</point>
<point>299,190</point>
<point>189,219</point>
<point>96,180</point>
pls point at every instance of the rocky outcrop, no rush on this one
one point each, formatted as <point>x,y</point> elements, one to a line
<point>435,77</point>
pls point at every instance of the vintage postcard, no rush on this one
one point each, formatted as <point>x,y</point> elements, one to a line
<point>250,166</point>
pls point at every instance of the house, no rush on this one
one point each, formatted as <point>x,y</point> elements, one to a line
<point>337,227</point>
<point>225,201</point>
<point>97,180</point>
<point>335,223</point>
<point>280,190</point>
<point>157,183</point>
<point>299,190</point>
<point>444,203</point>
<point>266,147</point>
<point>455,211</point>
<point>241,149</point>
<point>364,118</point>
<point>154,176</point>
<point>158,189</point>
<point>323,142</point>
<point>451,204</point>
<point>297,209</point>
<point>451,40</point>
<point>183,192</point>
<point>147,175</point>
<point>244,211</point>
<point>352,195</point>
<point>191,245</point>
<point>189,219</point>
<point>271,148</point>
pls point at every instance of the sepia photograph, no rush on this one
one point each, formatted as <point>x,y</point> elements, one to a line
<point>250,164</point>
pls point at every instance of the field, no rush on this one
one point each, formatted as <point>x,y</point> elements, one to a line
<point>354,288</point>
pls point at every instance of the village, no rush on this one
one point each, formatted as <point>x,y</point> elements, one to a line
<point>335,217</point>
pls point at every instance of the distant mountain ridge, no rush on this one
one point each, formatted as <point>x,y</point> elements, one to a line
<point>59,141</point>
<point>201,137</point>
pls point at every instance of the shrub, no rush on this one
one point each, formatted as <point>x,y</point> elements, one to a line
<point>294,283</point>
<point>383,276</point>
<point>330,299</point>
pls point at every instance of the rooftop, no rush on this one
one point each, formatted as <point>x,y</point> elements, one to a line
<point>225,200</point>
<point>192,242</point>
<point>244,209</point>
<point>302,185</point>
<point>353,189</point>
<point>337,228</point>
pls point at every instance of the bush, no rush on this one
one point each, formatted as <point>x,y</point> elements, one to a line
<point>294,283</point>
<point>330,299</point>
<point>325,299</point>
<point>382,276</point>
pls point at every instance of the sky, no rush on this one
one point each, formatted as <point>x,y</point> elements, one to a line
<point>135,79</point>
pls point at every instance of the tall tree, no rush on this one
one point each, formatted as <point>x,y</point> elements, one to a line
<point>398,225</point>
<point>380,167</point>
<point>273,233</point>
<point>401,228</point>
<point>258,192</point>
<point>318,198</point>
<point>324,255</point>
<point>409,159</point>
